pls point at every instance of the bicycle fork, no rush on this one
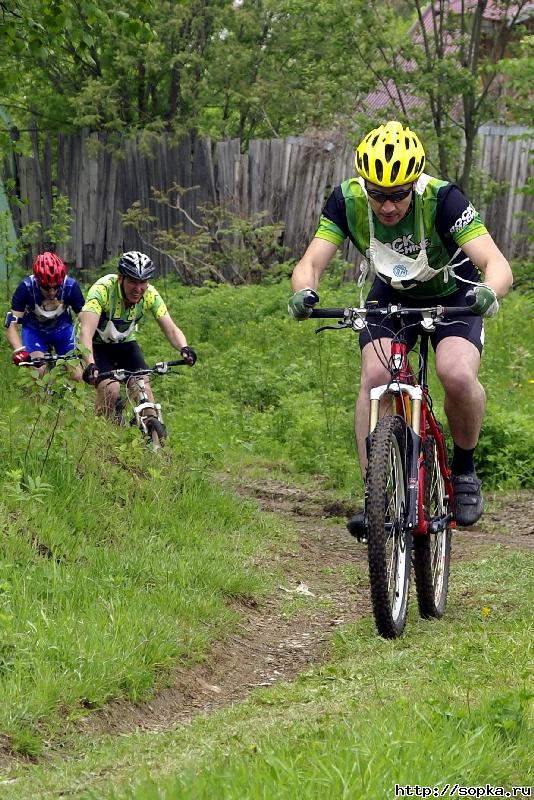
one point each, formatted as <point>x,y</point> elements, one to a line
<point>144,404</point>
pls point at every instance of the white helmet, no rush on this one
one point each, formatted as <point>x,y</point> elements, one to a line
<point>136,265</point>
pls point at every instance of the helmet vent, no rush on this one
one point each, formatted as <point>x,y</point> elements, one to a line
<point>379,167</point>
<point>411,165</point>
<point>395,169</point>
<point>389,150</point>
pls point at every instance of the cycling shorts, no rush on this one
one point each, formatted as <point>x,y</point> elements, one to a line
<point>472,330</point>
<point>62,340</point>
<point>120,355</point>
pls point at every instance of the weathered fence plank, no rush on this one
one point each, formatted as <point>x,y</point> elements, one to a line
<point>288,179</point>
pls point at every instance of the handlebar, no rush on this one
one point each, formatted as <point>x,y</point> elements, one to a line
<point>123,375</point>
<point>350,313</point>
<point>41,361</point>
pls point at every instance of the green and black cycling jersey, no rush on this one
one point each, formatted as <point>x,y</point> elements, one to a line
<point>105,299</point>
<point>449,219</point>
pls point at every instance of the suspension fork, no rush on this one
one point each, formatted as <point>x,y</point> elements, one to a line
<point>144,404</point>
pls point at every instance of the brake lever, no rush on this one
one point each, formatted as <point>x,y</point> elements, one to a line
<point>453,322</point>
<point>337,327</point>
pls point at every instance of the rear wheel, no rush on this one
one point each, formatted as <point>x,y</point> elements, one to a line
<point>432,552</point>
<point>155,432</point>
<point>389,543</point>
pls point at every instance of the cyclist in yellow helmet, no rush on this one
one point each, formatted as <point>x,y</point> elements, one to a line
<point>422,241</point>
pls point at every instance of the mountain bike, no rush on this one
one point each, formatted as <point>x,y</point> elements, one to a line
<point>146,415</point>
<point>409,497</point>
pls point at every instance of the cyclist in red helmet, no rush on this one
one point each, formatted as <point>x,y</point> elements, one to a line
<point>43,303</point>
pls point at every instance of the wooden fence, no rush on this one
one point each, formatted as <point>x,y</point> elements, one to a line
<point>287,178</point>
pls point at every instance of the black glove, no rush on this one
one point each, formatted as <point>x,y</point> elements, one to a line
<point>89,374</point>
<point>189,355</point>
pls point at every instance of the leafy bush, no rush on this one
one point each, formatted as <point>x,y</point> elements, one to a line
<point>505,452</point>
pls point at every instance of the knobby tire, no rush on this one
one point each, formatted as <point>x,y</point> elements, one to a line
<point>156,432</point>
<point>389,543</point>
<point>432,552</point>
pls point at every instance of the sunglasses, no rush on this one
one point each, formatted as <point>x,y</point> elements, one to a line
<point>394,197</point>
<point>49,288</point>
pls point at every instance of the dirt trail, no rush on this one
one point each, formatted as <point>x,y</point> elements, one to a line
<point>272,646</point>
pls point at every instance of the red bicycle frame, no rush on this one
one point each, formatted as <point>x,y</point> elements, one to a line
<point>427,425</point>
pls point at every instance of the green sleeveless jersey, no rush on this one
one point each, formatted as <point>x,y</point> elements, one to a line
<point>105,299</point>
<point>449,222</point>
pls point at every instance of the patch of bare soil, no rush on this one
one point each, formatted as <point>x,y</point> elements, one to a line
<point>272,646</point>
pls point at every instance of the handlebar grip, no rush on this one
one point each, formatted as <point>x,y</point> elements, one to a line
<point>180,362</point>
<point>328,313</point>
<point>104,376</point>
<point>457,311</point>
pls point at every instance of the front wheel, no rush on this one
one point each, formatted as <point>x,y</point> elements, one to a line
<point>389,542</point>
<point>155,432</point>
<point>432,552</point>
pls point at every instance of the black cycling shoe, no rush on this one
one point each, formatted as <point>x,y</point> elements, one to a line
<point>357,528</point>
<point>468,500</point>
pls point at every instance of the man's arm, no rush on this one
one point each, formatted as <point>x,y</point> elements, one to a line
<point>313,263</point>
<point>485,255</point>
<point>12,334</point>
<point>172,332</point>
<point>88,325</point>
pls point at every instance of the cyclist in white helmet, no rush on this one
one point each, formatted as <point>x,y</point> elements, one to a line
<point>423,242</point>
<point>114,306</point>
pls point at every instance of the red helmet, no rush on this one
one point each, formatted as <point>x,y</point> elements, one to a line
<point>49,269</point>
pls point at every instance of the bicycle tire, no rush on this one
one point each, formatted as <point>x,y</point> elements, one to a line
<point>155,432</point>
<point>389,542</point>
<point>432,552</point>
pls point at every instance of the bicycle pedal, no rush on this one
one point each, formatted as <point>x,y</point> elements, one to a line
<point>357,527</point>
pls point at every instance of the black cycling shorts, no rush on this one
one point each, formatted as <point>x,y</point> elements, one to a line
<point>121,355</point>
<point>473,330</point>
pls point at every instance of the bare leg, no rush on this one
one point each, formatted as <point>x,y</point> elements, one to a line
<point>373,373</point>
<point>457,364</point>
<point>107,393</point>
<point>75,373</point>
<point>40,370</point>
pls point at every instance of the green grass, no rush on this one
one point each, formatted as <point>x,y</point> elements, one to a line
<point>286,395</point>
<point>116,564</point>
<point>449,702</point>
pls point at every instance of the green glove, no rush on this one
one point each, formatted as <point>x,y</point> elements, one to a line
<point>482,300</point>
<point>301,303</point>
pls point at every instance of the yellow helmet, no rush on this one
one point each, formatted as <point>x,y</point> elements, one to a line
<point>390,155</point>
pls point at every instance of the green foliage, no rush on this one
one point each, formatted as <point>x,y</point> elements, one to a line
<point>449,66</point>
<point>115,563</point>
<point>505,453</point>
<point>222,68</point>
<point>520,75</point>
<point>224,246</point>
<point>33,237</point>
<point>108,575</point>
